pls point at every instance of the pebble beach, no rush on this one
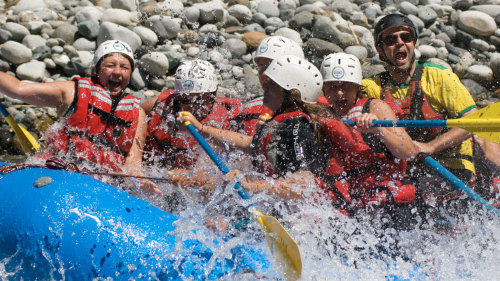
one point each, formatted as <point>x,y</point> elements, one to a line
<point>54,40</point>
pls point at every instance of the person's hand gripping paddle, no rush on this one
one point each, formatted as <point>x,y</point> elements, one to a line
<point>283,248</point>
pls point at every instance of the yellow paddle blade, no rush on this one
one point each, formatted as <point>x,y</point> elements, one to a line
<point>492,136</point>
<point>283,248</point>
<point>29,145</point>
<point>484,123</point>
<point>492,111</point>
<point>488,129</point>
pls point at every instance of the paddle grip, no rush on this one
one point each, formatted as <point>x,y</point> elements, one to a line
<point>222,167</point>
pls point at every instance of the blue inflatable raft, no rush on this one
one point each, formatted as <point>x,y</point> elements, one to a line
<point>67,226</point>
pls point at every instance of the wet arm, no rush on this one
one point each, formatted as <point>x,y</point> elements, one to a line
<point>289,187</point>
<point>54,94</point>
<point>395,139</point>
<point>285,188</point>
<point>451,138</point>
<point>147,106</point>
<point>133,161</point>
<point>224,136</point>
<point>490,149</point>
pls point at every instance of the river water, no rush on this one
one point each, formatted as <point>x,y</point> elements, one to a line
<point>335,247</point>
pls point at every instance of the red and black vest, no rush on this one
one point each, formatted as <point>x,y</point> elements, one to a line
<point>354,174</point>
<point>169,142</point>
<point>248,116</point>
<point>95,128</point>
<point>265,150</point>
<point>359,174</point>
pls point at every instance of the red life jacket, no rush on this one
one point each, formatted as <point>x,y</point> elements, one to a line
<point>246,120</point>
<point>363,106</point>
<point>94,129</point>
<point>415,106</point>
<point>359,174</point>
<point>171,144</point>
<point>354,171</point>
<point>264,138</point>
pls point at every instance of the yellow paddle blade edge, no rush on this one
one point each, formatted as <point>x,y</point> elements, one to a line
<point>484,123</point>
<point>283,248</point>
<point>29,145</point>
<point>488,129</point>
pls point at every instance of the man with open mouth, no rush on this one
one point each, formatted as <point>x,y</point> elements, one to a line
<point>424,91</point>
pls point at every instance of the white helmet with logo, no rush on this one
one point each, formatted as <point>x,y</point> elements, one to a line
<point>342,67</point>
<point>274,47</point>
<point>291,72</point>
<point>196,76</point>
<point>113,46</point>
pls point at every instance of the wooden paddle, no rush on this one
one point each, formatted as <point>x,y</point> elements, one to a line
<point>484,123</point>
<point>29,145</point>
<point>283,248</point>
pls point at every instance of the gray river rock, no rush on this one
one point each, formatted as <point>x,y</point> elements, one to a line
<point>53,40</point>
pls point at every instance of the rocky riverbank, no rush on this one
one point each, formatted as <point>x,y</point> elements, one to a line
<point>52,40</point>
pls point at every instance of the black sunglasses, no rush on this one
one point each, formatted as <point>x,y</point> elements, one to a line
<point>392,39</point>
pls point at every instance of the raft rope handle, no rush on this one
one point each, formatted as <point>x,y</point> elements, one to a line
<point>58,164</point>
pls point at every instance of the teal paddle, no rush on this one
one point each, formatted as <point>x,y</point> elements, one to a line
<point>283,248</point>
<point>458,184</point>
<point>29,145</point>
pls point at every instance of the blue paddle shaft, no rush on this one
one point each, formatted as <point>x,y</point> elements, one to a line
<point>403,123</point>
<point>457,183</point>
<point>4,111</point>
<point>222,167</point>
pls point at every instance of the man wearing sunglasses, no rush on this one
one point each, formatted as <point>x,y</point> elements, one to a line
<point>425,91</point>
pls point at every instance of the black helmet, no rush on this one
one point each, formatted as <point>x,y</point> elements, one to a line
<point>390,21</point>
<point>294,147</point>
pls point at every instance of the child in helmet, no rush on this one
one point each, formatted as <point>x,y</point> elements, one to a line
<point>102,125</point>
<point>168,143</point>
<point>342,86</point>
<point>386,148</point>
<point>353,173</point>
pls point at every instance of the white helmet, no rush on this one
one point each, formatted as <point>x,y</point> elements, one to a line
<point>342,67</point>
<point>196,76</point>
<point>291,72</point>
<point>274,47</point>
<point>113,46</point>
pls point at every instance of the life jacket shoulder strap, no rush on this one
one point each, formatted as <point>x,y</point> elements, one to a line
<point>109,117</point>
<point>417,95</point>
